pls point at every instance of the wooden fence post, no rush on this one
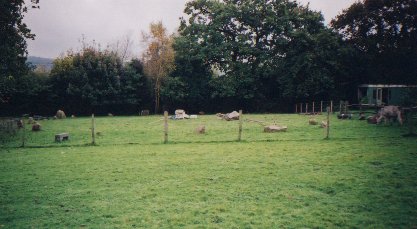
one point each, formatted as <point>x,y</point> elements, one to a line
<point>313,107</point>
<point>93,133</point>
<point>347,107</point>
<point>24,133</point>
<point>165,127</point>
<point>331,106</point>
<point>321,106</point>
<point>328,124</point>
<point>341,103</point>
<point>240,125</point>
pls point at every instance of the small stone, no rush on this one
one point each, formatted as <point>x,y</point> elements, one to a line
<point>200,129</point>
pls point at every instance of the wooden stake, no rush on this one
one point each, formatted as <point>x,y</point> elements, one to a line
<point>331,106</point>
<point>24,134</point>
<point>321,106</point>
<point>340,106</point>
<point>328,124</point>
<point>93,133</point>
<point>240,125</point>
<point>347,107</point>
<point>313,108</point>
<point>165,127</point>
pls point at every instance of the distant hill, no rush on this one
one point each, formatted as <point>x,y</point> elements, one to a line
<point>40,62</point>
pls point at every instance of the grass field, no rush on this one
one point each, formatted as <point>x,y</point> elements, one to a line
<point>365,176</point>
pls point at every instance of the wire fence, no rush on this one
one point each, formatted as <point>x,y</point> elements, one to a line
<point>151,130</point>
<point>342,106</point>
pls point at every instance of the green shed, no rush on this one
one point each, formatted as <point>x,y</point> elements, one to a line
<point>382,94</point>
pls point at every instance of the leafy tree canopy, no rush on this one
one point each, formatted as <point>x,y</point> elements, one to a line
<point>267,50</point>
<point>95,80</point>
<point>13,47</point>
<point>385,34</point>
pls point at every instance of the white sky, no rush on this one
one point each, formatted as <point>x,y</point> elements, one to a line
<point>59,24</point>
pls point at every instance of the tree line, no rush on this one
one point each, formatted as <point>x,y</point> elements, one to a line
<point>260,56</point>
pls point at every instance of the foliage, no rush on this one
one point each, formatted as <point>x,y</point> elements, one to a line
<point>384,32</point>
<point>158,58</point>
<point>409,97</point>
<point>194,74</point>
<point>13,47</point>
<point>173,92</point>
<point>265,50</point>
<point>95,80</point>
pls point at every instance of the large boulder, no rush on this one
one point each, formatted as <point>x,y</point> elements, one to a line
<point>180,114</point>
<point>234,115</point>
<point>274,128</point>
<point>60,114</point>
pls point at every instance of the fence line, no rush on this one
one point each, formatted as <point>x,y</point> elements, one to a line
<point>115,132</point>
<point>299,109</point>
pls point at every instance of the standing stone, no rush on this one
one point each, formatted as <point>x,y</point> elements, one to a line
<point>36,126</point>
<point>60,114</point>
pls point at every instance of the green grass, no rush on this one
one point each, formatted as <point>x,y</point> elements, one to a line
<point>365,176</point>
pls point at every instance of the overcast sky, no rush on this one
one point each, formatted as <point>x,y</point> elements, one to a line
<point>60,24</point>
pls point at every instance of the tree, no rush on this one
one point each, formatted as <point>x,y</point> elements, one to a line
<point>123,48</point>
<point>384,33</point>
<point>265,51</point>
<point>158,58</point>
<point>13,47</point>
<point>194,76</point>
<point>95,80</point>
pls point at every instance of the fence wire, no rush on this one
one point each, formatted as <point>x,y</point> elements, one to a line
<point>148,130</point>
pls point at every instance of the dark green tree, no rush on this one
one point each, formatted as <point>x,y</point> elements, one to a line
<point>264,52</point>
<point>384,34</point>
<point>193,76</point>
<point>95,80</point>
<point>13,47</point>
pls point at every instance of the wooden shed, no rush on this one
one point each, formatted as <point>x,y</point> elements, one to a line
<point>382,94</point>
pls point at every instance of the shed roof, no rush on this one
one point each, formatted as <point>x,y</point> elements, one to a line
<point>386,85</point>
